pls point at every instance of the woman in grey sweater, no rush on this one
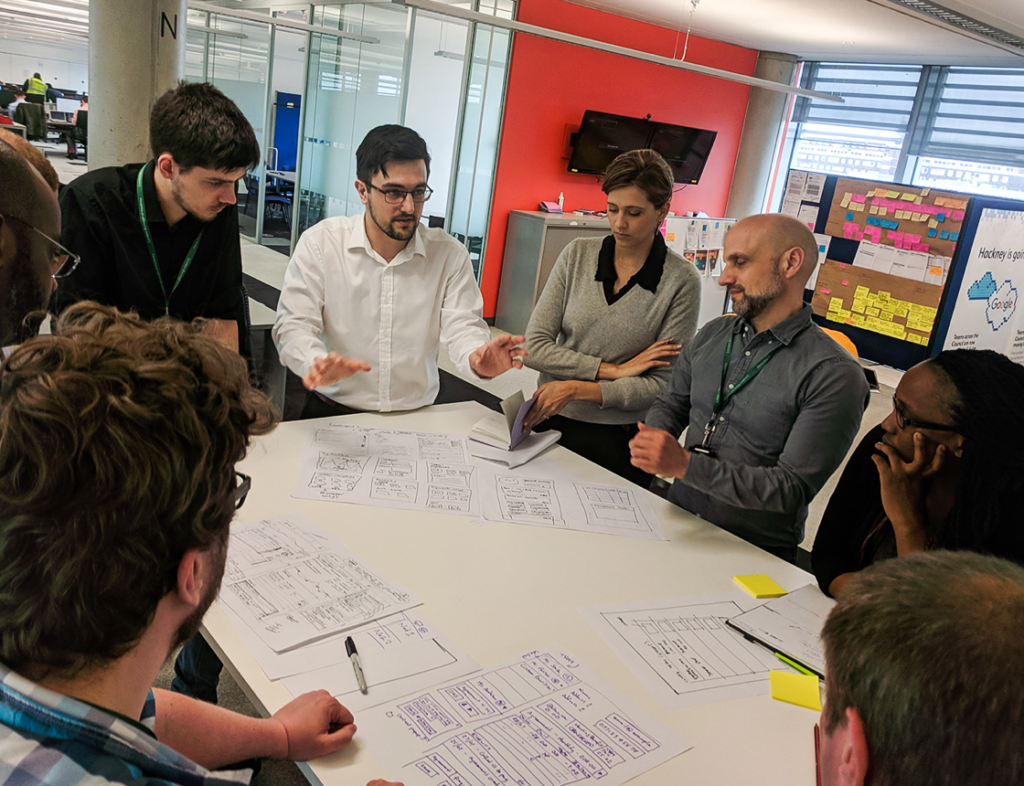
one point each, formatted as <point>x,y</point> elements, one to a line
<point>611,320</point>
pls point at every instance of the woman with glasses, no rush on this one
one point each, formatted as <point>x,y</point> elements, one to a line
<point>611,320</point>
<point>944,470</point>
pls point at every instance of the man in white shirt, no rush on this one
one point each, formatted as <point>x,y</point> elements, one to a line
<point>368,299</point>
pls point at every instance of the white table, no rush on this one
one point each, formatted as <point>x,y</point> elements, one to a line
<point>502,589</point>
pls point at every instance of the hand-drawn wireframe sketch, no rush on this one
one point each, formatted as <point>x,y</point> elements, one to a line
<point>403,469</point>
<point>292,582</point>
<point>542,719</point>
<point>557,502</point>
<point>682,650</point>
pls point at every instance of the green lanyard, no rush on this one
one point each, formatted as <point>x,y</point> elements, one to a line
<point>152,249</point>
<point>722,396</point>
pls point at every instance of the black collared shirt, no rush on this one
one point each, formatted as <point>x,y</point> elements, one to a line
<point>647,276</point>
<point>100,219</point>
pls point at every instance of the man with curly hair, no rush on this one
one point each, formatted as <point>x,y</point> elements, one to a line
<point>118,444</point>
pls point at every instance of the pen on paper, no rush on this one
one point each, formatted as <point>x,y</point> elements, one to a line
<point>357,667</point>
<point>795,665</point>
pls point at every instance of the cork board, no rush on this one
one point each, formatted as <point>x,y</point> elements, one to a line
<point>880,302</point>
<point>916,219</point>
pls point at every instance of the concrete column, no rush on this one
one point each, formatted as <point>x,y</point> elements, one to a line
<point>762,129</point>
<point>136,54</point>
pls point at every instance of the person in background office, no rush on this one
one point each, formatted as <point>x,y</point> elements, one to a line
<point>105,571</point>
<point>36,88</point>
<point>772,403</point>
<point>944,471</point>
<point>52,93</point>
<point>82,107</point>
<point>612,318</point>
<point>180,255</point>
<point>368,299</point>
<point>29,255</point>
<point>19,98</point>
<point>923,674</point>
<point>6,95</point>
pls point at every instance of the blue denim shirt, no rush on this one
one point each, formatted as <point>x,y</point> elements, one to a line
<point>778,439</point>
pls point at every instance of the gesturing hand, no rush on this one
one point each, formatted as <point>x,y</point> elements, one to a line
<point>328,370</point>
<point>315,724</point>
<point>551,399</point>
<point>658,452</point>
<point>660,353</point>
<point>498,355</point>
<point>904,489</point>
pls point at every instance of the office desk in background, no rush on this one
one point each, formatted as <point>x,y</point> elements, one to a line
<point>499,590</point>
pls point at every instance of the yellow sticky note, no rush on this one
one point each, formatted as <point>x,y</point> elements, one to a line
<point>846,199</point>
<point>883,211</point>
<point>908,196</point>
<point>925,192</point>
<point>760,586</point>
<point>892,194</point>
<point>835,304</point>
<point>859,304</point>
<point>799,689</point>
<point>917,200</point>
<point>873,210</point>
<point>860,292</point>
<point>872,312</point>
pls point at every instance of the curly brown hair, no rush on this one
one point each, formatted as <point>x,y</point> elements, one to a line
<point>118,441</point>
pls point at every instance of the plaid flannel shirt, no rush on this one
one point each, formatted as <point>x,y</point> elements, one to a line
<point>47,738</point>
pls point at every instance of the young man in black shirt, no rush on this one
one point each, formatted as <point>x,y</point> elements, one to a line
<point>162,237</point>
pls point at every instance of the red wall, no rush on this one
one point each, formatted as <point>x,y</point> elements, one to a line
<point>551,84</point>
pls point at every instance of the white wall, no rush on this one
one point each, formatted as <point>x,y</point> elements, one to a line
<point>62,66</point>
<point>289,62</point>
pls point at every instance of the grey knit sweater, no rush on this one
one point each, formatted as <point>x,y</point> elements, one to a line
<point>573,329</point>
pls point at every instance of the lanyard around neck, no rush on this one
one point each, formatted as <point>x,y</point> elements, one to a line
<point>723,395</point>
<point>152,248</point>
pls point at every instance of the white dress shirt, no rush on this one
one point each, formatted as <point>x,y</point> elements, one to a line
<point>340,295</point>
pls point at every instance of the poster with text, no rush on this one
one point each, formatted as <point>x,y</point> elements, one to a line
<point>987,312</point>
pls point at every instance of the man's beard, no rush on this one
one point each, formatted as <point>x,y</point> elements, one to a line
<point>179,200</point>
<point>190,626</point>
<point>389,228</point>
<point>26,301</point>
<point>752,306</point>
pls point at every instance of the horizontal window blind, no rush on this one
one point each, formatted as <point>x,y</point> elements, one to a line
<point>876,96</point>
<point>974,114</point>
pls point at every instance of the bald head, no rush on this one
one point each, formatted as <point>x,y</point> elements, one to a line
<point>780,233</point>
<point>29,219</point>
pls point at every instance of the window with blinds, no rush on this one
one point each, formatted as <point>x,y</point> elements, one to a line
<point>974,114</point>
<point>876,96</point>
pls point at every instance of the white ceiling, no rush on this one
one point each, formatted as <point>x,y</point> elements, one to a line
<point>831,30</point>
<point>869,31</point>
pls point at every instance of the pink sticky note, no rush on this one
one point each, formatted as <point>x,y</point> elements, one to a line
<point>900,236</point>
<point>890,234</point>
<point>912,239</point>
<point>857,198</point>
<point>848,231</point>
<point>920,247</point>
<point>846,283</point>
<point>842,266</point>
<point>860,236</point>
<point>825,291</point>
<point>958,215</point>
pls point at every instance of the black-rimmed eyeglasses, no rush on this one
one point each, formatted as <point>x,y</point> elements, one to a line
<point>64,261</point>
<point>242,489</point>
<point>904,422</point>
<point>396,196</point>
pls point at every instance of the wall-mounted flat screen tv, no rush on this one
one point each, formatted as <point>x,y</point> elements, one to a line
<point>604,136</point>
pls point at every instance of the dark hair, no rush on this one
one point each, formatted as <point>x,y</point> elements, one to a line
<point>646,170</point>
<point>200,126</point>
<point>984,391</point>
<point>385,144</point>
<point>928,650</point>
<point>34,156</point>
<point>118,441</point>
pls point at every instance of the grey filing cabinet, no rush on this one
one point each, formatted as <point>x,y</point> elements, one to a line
<point>532,245</point>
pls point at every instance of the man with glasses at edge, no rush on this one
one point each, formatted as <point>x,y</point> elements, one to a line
<point>944,470</point>
<point>105,573</point>
<point>368,299</point>
<point>161,238</point>
<point>31,259</point>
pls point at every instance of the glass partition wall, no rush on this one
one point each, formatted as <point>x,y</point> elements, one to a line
<point>442,76</point>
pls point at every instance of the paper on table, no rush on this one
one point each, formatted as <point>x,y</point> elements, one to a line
<point>543,718</point>
<point>292,582</point>
<point>791,625</point>
<point>528,448</point>
<point>504,429</point>
<point>387,468</point>
<point>545,501</point>
<point>682,650</point>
